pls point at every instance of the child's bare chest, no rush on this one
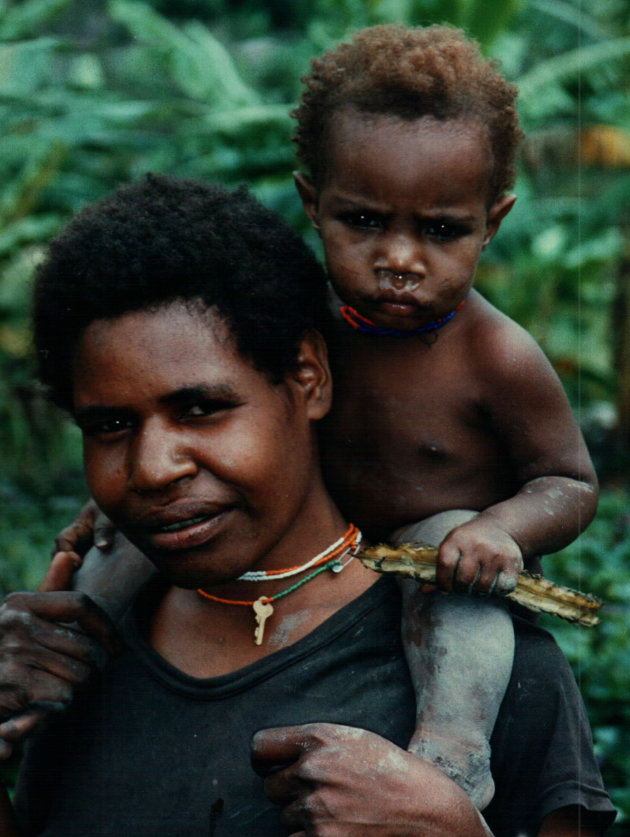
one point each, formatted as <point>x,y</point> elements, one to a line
<point>409,436</point>
<point>415,398</point>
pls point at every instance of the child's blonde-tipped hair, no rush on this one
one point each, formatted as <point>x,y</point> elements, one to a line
<point>409,73</point>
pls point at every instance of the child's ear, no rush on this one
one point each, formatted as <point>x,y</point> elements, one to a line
<point>496,214</point>
<point>312,375</point>
<point>309,196</point>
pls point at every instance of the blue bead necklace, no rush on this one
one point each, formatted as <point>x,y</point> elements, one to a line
<point>364,326</point>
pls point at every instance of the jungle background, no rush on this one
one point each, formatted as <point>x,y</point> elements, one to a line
<point>96,93</point>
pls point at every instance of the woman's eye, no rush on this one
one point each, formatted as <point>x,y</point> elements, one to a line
<point>204,409</point>
<point>108,427</point>
<point>197,411</point>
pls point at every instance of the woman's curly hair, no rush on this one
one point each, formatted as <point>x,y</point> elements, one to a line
<point>161,239</point>
<point>408,73</point>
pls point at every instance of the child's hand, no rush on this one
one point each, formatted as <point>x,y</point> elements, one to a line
<point>89,528</point>
<point>478,556</point>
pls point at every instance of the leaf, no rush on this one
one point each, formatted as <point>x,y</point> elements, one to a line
<point>570,65</point>
<point>485,19</point>
<point>198,62</point>
<point>20,20</point>
<point>40,167</point>
<point>245,118</point>
<point>25,67</point>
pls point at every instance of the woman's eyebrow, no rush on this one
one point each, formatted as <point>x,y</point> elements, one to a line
<point>208,392</point>
<point>205,392</point>
<point>96,412</point>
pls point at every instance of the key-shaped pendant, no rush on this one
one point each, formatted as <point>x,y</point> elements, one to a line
<point>262,611</point>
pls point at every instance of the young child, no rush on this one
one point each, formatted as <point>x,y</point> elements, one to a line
<point>445,410</point>
<point>443,406</point>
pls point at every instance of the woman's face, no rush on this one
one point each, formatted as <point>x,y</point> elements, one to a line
<point>203,463</point>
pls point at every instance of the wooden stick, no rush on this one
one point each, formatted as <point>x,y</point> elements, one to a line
<point>533,592</point>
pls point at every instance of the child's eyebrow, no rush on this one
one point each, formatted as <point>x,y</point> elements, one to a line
<point>352,202</point>
<point>342,203</point>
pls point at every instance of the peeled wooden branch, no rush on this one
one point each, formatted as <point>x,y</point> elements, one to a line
<point>533,592</point>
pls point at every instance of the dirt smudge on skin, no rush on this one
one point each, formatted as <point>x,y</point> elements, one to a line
<point>285,628</point>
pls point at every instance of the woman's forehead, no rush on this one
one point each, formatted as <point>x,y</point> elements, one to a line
<point>173,348</point>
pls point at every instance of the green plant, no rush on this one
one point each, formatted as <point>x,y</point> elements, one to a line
<point>600,657</point>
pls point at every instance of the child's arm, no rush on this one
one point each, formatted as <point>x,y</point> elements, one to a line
<point>557,487</point>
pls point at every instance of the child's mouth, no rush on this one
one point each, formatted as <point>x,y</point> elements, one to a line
<point>397,306</point>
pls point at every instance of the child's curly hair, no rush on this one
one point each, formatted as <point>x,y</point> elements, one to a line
<point>408,73</point>
<point>162,239</point>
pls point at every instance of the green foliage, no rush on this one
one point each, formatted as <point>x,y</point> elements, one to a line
<point>600,657</point>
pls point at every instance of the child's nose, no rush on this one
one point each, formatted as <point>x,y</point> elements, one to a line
<point>158,458</point>
<point>402,258</point>
<point>398,281</point>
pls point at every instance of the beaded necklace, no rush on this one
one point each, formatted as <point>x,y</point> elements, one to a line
<point>364,326</point>
<point>347,541</point>
<point>329,559</point>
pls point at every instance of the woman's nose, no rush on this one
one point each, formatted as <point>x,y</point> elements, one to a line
<point>158,458</point>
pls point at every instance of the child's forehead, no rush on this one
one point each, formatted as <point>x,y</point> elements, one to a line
<point>349,123</point>
<point>392,144</point>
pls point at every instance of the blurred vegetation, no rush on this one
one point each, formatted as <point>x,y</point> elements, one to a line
<point>95,93</point>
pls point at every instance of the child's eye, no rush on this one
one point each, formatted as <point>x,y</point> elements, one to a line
<point>363,220</point>
<point>445,230</point>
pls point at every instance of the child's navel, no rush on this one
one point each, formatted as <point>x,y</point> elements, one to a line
<point>434,450</point>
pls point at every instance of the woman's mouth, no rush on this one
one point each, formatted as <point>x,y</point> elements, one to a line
<point>182,524</point>
<point>185,532</point>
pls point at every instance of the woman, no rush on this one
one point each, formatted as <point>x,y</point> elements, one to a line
<point>169,321</point>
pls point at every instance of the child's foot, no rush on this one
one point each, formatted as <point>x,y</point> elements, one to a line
<point>466,763</point>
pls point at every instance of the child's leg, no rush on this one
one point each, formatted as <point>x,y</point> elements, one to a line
<point>460,651</point>
<point>114,577</point>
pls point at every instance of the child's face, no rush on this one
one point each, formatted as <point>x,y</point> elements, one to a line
<point>403,214</point>
<point>190,450</point>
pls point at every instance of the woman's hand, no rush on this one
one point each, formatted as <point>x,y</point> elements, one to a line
<point>339,781</point>
<point>50,644</point>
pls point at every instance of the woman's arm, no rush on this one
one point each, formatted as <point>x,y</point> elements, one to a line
<point>568,822</point>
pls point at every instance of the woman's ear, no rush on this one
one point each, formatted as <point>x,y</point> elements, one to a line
<point>308,195</point>
<point>311,375</point>
<point>496,214</point>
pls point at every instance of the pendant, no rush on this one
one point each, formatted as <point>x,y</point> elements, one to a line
<point>262,612</point>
